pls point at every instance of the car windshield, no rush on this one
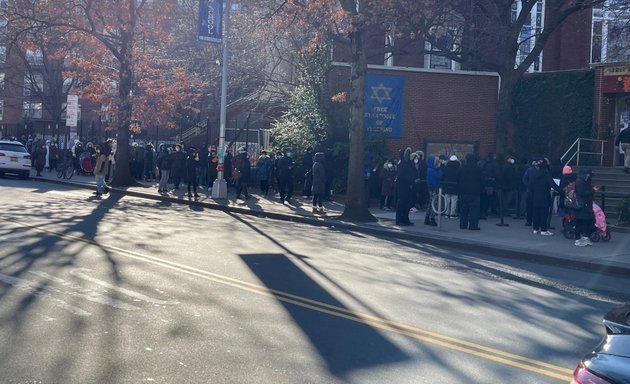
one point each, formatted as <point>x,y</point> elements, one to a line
<point>12,147</point>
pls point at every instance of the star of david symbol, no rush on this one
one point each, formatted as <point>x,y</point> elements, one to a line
<point>381,93</point>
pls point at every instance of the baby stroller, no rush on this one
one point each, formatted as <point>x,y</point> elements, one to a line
<point>85,162</point>
<point>601,231</point>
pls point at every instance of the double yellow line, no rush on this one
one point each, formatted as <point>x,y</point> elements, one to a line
<point>434,338</point>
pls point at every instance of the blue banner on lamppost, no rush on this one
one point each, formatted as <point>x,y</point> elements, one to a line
<point>210,21</point>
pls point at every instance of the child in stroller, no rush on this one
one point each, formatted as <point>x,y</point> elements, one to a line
<point>85,162</point>
<point>600,231</point>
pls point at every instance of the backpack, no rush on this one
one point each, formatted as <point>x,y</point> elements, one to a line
<point>570,198</point>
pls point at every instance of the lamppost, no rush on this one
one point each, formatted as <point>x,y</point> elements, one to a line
<point>219,188</point>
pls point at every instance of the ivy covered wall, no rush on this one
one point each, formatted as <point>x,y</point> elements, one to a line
<point>551,110</point>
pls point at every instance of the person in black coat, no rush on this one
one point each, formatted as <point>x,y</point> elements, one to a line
<point>492,174</point>
<point>192,166</point>
<point>449,185</point>
<point>470,184</point>
<point>178,168</point>
<point>285,176</point>
<point>508,186</point>
<point>540,187</point>
<point>584,217</point>
<point>241,162</point>
<point>307,166</point>
<point>319,183</point>
<point>405,177</point>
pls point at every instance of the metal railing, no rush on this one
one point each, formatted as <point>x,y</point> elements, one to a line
<point>577,149</point>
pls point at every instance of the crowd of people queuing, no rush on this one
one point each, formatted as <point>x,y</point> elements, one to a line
<point>472,188</point>
<point>475,188</point>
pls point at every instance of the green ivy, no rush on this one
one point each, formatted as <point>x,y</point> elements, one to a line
<point>551,110</point>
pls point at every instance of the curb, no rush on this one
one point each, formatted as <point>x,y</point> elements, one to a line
<point>331,222</point>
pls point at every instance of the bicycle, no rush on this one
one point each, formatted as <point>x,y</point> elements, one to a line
<point>65,169</point>
<point>438,202</point>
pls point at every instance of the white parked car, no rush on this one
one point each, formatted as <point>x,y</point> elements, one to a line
<point>14,158</point>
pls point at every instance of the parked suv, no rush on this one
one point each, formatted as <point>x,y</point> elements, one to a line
<point>14,158</point>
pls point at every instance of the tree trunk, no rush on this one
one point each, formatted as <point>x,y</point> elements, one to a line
<point>356,208</point>
<point>504,107</point>
<point>122,173</point>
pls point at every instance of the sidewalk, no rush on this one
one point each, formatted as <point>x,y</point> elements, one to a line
<point>513,241</point>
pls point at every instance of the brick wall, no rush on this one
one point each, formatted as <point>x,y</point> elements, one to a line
<point>569,46</point>
<point>445,107</point>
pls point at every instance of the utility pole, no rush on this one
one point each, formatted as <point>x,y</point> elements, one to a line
<point>219,187</point>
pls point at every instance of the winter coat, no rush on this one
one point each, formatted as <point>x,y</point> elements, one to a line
<point>623,137</point>
<point>540,187</point>
<point>509,180</point>
<point>148,159</point>
<point>285,168</point>
<point>192,165</point>
<point>434,175</point>
<point>388,177</point>
<point>178,168</point>
<point>449,180</point>
<point>584,192</point>
<point>470,178</point>
<point>528,176</point>
<point>263,168</point>
<point>241,162</point>
<point>319,174</point>
<point>102,165</point>
<point>164,160</point>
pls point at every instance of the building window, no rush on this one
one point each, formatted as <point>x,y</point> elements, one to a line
<point>34,57</point>
<point>3,54</point>
<point>441,39</point>
<point>34,84</point>
<point>1,109</point>
<point>1,82</point>
<point>32,110</point>
<point>596,43</point>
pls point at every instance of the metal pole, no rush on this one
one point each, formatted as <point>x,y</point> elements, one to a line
<point>219,187</point>
<point>439,219</point>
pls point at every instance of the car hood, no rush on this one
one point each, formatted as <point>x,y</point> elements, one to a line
<point>614,368</point>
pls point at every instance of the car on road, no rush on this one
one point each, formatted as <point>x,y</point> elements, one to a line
<point>14,158</point>
<point>609,363</point>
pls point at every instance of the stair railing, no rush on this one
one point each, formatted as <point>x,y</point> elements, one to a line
<point>577,149</point>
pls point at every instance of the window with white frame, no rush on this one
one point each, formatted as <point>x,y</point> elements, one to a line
<point>33,84</point>
<point>1,109</point>
<point>610,32</point>
<point>3,54</point>
<point>441,40</point>
<point>34,57</point>
<point>532,27</point>
<point>32,110</point>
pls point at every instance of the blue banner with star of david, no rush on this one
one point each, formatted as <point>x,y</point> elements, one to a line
<point>384,101</point>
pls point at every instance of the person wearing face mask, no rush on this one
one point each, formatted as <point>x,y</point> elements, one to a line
<point>263,169</point>
<point>241,163</point>
<point>285,176</point>
<point>178,168</point>
<point>541,197</point>
<point>192,166</point>
<point>388,179</point>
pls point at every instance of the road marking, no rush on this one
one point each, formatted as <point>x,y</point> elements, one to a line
<point>435,338</point>
<point>43,291</point>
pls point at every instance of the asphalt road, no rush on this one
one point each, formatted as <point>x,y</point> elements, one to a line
<point>125,290</point>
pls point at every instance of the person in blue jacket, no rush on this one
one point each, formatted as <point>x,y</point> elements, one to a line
<point>434,179</point>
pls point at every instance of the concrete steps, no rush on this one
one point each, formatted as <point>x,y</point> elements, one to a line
<point>617,186</point>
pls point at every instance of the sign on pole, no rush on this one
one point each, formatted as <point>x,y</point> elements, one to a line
<point>210,21</point>
<point>72,110</point>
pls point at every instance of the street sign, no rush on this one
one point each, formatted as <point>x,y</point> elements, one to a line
<point>72,110</point>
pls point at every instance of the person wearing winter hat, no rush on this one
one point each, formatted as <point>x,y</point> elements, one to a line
<point>449,186</point>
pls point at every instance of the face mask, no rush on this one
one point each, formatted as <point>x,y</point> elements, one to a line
<point>263,156</point>
<point>416,161</point>
<point>390,166</point>
<point>178,149</point>
<point>511,161</point>
<point>289,154</point>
